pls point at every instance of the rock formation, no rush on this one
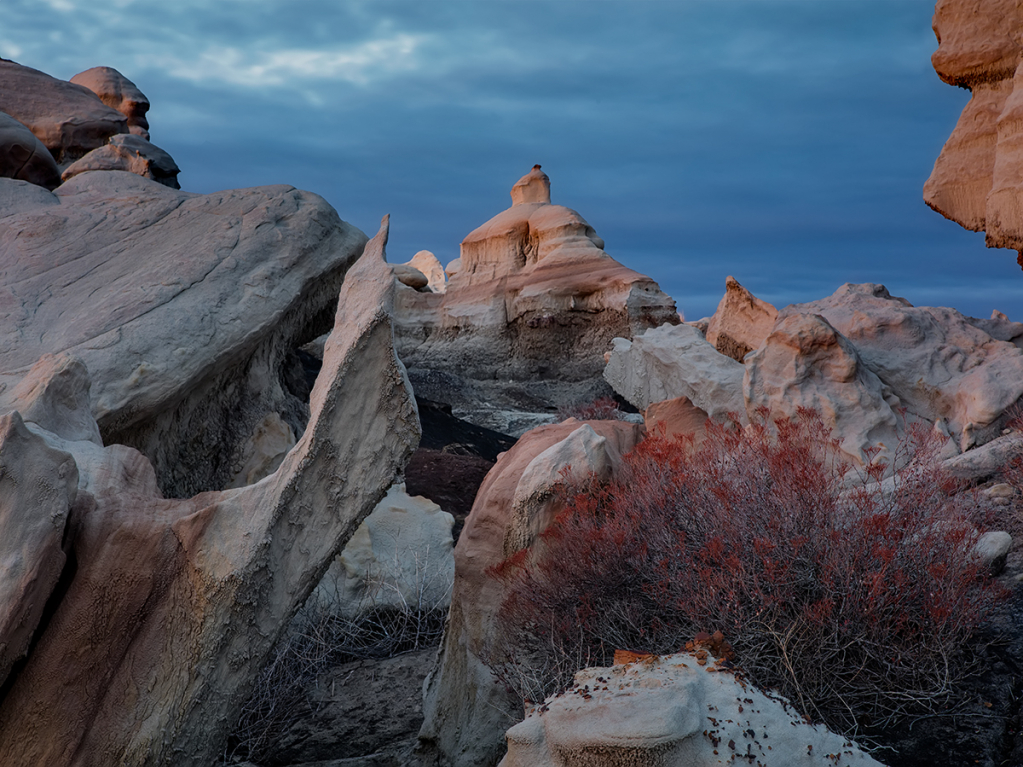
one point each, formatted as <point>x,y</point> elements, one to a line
<point>466,709</point>
<point>130,153</point>
<point>977,180</point>
<point>428,264</point>
<point>671,710</point>
<point>529,311</point>
<point>118,92</point>
<point>182,306</point>
<point>170,607</point>
<point>742,321</point>
<point>23,156</point>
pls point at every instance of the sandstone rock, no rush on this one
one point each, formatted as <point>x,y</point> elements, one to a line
<point>977,180</point>
<point>175,604</point>
<point>38,487</point>
<point>533,298</point>
<point>69,119</point>
<point>986,460</point>
<point>465,708</point>
<point>263,451</point>
<point>54,395</point>
<point>400,558</point>
<point>676,417</point>
<point>428,264</point>
<point>992,548</point>
<point>410,276</point>
<point>676,361</point>
<point>741,323</point>
<point>130,153</point>
<point>452,268</point>
<point>182,306</point>
<point>938,363</point>
<point>806,363</point>
<point>117,91</point>
<point>670,711</point>
<point>24,157</point>
<point>1000,328</point>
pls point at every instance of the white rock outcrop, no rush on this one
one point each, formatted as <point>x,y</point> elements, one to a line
<point>671,711</point>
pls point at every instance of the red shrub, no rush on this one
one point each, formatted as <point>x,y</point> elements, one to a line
<point>854,603</point>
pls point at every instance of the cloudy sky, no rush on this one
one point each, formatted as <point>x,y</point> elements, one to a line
<point>785,143</point>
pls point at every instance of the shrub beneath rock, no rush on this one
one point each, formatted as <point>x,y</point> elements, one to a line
<point>853,599</point>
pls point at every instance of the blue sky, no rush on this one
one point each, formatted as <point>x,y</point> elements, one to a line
<point>785,143</point>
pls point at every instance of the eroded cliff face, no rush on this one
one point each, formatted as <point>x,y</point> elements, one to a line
<point>977,180</point>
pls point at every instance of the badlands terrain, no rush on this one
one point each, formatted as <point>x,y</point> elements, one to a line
<point>269,497</point>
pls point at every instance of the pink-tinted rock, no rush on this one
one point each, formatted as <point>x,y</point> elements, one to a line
<point>69,119</point>
<point>23,156</point>
<point>466,709</point>
<point>677,417</point>
<point>118,92</point>
<point>130,153</point>
<point>741,323</point>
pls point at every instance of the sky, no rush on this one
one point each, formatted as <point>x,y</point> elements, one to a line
<point>785,143</point>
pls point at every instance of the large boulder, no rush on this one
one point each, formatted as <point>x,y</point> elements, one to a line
<point>69,119</point>
<point>977,179</point>
<point>118,92</point>
<point>23,156</point>
<point>130,153</point>
<point>466,709</point>
<point>530,309</point>
<point>741,323</point>
<point>174,605</point>
<point>676,361</point>
<point>183,307</point>
<point>672,710</point>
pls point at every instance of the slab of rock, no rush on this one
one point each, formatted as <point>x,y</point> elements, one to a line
<point>977,180</point>
<point>806,363</point>
<point>118,92</point>
<point>410,276</point>
<point>182,306</point>
<point>69,119</point>
<point>671,711</point>
<point>741,323</point>
<point>175,605</point>
<point>400,558</point>
<point>428,264</point>
<point>38,487</point>
<point>130,153</point>
<point>940,364</point>
<point>24,157</point>
<point>676,417</point>
<point>466,709</point>
<point>676,361</point>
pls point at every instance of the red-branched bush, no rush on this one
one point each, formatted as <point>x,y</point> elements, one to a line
<point>853,594</point>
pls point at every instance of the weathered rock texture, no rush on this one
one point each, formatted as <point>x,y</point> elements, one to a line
<point>183,307</point>
<point>977,180</point>
<point>428,264</point>
<point>671,711</point>
<point>531,308</point>
<point>466,709</point>
<point>741,323</point>
<point>24,157</point>
<point>130,153</point>
<point>69,119</point>
<point>118,92</point>
<point>400,558</point>
<point>172,606</point>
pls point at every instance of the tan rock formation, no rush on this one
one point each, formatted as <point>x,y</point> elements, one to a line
<point>676,417</point>
<point>24,157</point>
<point>671,711</point>
<point>741,323</point>
<point>182,306</point>
<point>977,180</point>
<point>118,92</point>
<point>466,709</point>
<point>69,119</point>
<point>410,276</point>
<point>130,153</point>
<point>428,264</point>
<point>175,604</point>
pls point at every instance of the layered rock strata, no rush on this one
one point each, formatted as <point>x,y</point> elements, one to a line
<point>171,607</point>
<point>741,323</point>
<point>466,708</point>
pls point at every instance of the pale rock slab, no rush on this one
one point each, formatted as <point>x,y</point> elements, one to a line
<point>118,92</point>
<point>428,264</point>
<point>175,604</point>
<point>992,548</point>
<point>806,363</point>
<point>54,395</point>
<point>670,711</point>
<point>263,451</point>
<point>69,119</point>
<point>741,323</point>
<point>939,364</point>
<point>673,361</point>
<point>465,708</point>
<point>182,306</point>
<point>38,487</point>
<point>23,156</point>
<point>130,153</point>
<point>400,558</point>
